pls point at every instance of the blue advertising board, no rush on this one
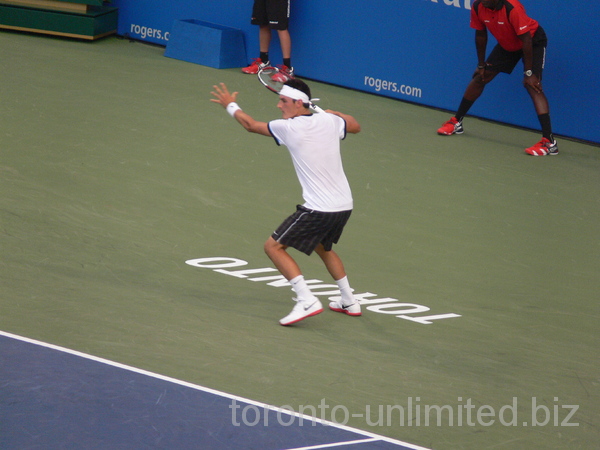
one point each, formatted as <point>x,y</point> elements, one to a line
<point>420,51</point>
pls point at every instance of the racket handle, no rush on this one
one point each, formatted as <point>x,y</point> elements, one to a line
<point>316,108</point>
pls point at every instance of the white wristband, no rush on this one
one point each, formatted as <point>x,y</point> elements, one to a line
<point>232,108</point>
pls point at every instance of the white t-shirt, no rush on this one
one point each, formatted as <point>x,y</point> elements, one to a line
<point>314,144</point>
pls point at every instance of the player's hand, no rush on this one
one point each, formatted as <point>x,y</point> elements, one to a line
<point>222,95</point>
<point>534,83</point>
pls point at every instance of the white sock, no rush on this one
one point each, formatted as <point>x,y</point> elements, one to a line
<point>346,290</point>
<point>301,288</point>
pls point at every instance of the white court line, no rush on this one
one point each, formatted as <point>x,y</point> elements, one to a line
<point>337,444</point>
<point>215,392</point>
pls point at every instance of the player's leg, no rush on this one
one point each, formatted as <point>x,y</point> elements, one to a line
<point>332,262</point>
<point>336,269</point>
<point>347,303</point>
<point>307,304</point>
<point>333,225</point>
<point>278,254</point>
<point>288,267</point>
<point>296,231</point>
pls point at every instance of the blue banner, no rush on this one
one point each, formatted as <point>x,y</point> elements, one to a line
<point>420,51</point>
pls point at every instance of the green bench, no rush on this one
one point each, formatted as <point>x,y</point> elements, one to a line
<point>82,19</point>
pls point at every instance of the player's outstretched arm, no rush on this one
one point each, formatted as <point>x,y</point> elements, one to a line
<point>227,101</point>
<point>352,125</point>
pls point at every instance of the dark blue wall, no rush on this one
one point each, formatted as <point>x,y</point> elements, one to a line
<point>422,49</point>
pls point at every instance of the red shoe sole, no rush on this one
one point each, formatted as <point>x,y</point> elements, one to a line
<point>302,318</point>
<point>345,312</point>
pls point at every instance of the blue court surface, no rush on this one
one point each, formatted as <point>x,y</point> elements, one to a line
<point>52,397</point>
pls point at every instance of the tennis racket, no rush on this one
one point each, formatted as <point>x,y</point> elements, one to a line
<point>274,79</point>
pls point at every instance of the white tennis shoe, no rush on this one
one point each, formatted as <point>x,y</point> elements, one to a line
<point>302,310</point>
<point>352,309</point>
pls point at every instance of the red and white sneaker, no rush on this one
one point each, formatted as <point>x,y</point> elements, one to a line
<point>352,309</point>
<point>284,74</point>
<point>543,148</point>
<point>453,126</point>
<point>255,66</point>
<point>302,310</point>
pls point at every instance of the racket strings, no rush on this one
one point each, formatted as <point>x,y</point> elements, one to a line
<point>273,78</point>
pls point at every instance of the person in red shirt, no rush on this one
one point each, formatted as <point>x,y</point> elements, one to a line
<point>519,38</point>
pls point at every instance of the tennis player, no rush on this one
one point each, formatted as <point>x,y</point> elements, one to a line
<point>519,38</point>
<point>313,141</point>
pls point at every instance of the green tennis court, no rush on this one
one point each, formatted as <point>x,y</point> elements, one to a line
<point>116,170</point>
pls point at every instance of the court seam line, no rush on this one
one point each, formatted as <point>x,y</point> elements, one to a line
<point>208,390</point>
<point>336,444</point>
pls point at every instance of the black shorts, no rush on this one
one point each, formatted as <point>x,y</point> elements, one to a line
<point>501,60</point>
<point>275,13</point>
<point>305,229</point>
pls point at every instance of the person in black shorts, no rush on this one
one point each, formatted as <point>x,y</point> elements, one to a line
<point>519,38</point>
<point>313,141</point>
<point>271,15</point>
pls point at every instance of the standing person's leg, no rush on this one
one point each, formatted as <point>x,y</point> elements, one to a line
<point>540,102</point>
<point>499,60</point>
<point>548,145</point>
<point>264,41</point>
<point>260,18</point>
<point>473,91</point>
<point>286,47</point>
<point>279,18</point>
